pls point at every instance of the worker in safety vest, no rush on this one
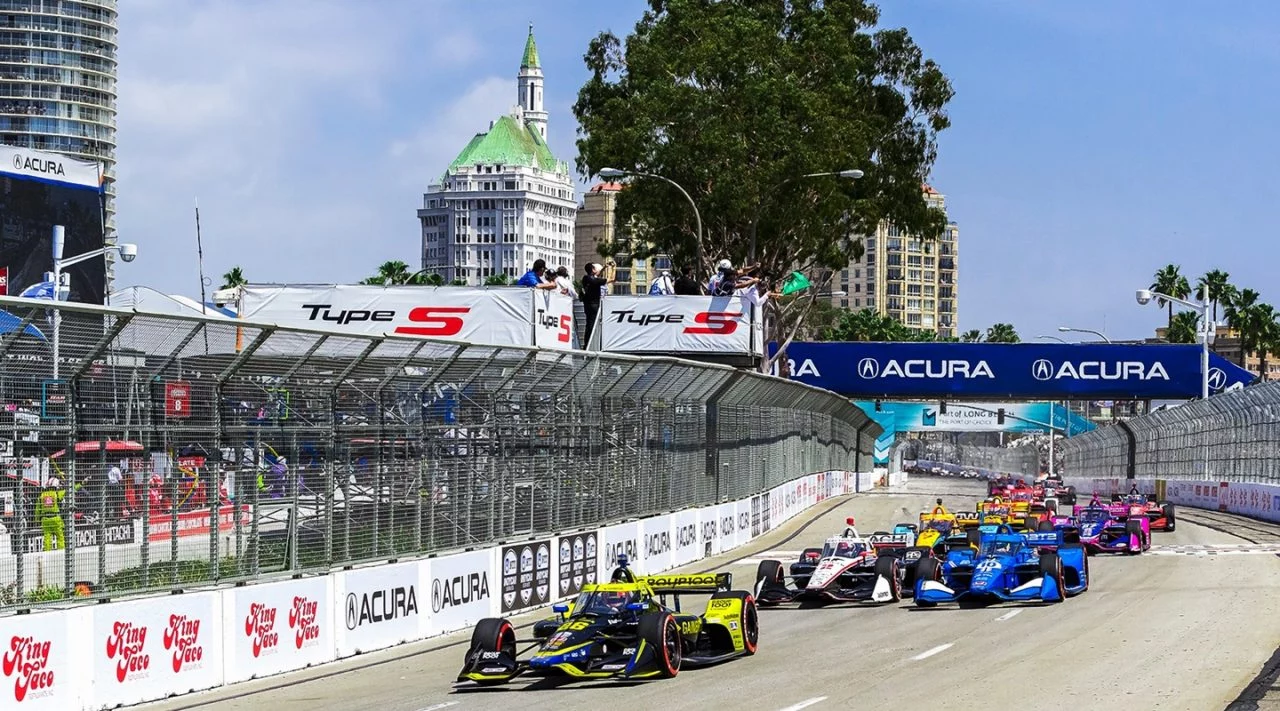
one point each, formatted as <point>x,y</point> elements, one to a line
<point>49,513</point>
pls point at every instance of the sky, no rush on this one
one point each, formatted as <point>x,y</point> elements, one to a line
<point>1092,142</point>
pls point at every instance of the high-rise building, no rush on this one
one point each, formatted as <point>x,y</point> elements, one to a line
<point>505,201</point>
<point>58,84</point>
<point>597,225</point>
<point>912,280</point>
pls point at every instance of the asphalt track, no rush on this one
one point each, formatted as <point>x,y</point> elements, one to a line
<point>1190,627</point>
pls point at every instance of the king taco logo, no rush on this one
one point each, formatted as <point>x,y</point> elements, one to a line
<point>260,626</point>
<point>27,661</point>
<point>305,622</point>
<point>125,645</point>
<point>183,639</point>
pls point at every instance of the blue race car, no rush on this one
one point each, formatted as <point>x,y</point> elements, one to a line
<point>1005,566</point>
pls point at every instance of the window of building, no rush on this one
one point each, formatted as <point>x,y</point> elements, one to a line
<point>913,274</point>
<point>913,245</point>
<point>913,304</point>
<point>928,290</point>
<point>893,289</point>
<point>844,303</point>
<point>913,289</point>
<point>871,302</point>
<point>913,319</point>
<point>858,302</point>
<point>857,273</point>
<point>914,260</point>
<point>844,275</point>
<point>894,244</point>
<point>857,288</point>
<point>929,275</point>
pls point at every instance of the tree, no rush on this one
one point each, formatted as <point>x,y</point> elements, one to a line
<point>390,273</point>
<point>1267,340</point>
<point>233,278</point>
<point>1002,333</point>
<point>458,282</point>
<point>1170,281</point>
<point>497,280</point>
<point>1243,316</point>
<point>971,336</point>
<point>1184,328</point>
<point>1214,286</point>
<point>428,279</point>
<point>735,100</point>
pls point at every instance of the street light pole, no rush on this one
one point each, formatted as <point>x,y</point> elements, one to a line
<point>755,222</point>
<point>697,216</point>
<point>1069,329</point>
<point>1053,338</point>
<point>128,253</point>
<point>1145,296</point>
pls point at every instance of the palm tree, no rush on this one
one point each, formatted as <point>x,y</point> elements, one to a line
<point>1185,328</point>
<point>233,278</point>
<point>458,282</point>
<point>1002,333</point>
<point>1214,286</point>
<point>497,280</point>
<point>1170,281</point>
<point>430,280</point>
<point>1268,335</point>
<point>390,273</point>
<point>971,336</point>
<point>1242,316</point>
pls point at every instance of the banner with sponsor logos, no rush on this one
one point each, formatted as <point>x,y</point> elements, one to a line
<point>195,522</point>
<point>526,575</point>
<point>277,627</point>
<point>655,543</point>
<point>462,590</point>
<point>679,324</point>
<point>36,661</point>
<point>378,607</point>
<point>974,417</point>
<point>1032,371</point>
<point>622,539</point>
<point>49,167</point>
<point>508,316</point>
<point>155,648</point>
<point>113,533</point>
<point>684,534</point>
<point>578,559</point>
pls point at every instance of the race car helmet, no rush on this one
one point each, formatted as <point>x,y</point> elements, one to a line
<point>612,601</point>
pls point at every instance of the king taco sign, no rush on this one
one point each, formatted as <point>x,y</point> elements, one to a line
<point>26,661</point>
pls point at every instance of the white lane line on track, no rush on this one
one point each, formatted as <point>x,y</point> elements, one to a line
<point>930,652</point>
<point>1008,615</point>
<point>437,707</point>
<point>805,704</point>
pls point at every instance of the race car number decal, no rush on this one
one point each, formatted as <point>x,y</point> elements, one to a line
<point>576,625</point>
<point>988,565</point>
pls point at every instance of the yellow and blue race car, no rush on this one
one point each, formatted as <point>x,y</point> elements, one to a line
<point>621,629</point>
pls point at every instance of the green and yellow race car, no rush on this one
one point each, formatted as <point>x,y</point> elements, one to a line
<point>621,629</point>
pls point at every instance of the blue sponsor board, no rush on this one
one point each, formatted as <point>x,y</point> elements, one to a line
<point>1024,371</point>
<point>978,417</point>
<point>886,419</point>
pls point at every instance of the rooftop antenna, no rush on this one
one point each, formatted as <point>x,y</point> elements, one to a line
<point>204,301</point>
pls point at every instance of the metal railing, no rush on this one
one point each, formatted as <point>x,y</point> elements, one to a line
<point>1234,436</point>
<point>186,451</point>
<point>1005,460</point>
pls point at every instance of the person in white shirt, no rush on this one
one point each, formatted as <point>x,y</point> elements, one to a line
<point>565,284</point>
<point>663,285</point>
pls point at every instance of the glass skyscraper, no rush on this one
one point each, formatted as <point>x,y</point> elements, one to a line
<point>58,82</point>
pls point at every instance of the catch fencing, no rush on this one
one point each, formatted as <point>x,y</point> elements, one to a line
<point>185,451</point>
<point>1232,437</point>
<point>1004,460</point>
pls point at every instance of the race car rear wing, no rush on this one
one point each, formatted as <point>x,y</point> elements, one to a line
<point>689,583</point>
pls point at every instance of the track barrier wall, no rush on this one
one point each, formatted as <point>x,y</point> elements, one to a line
<point>1221,454</point>
<point>152,648</point>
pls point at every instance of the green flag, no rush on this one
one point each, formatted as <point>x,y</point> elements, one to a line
<point>795,282</point>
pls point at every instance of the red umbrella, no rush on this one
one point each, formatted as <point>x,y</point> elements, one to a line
<point>113,445</point>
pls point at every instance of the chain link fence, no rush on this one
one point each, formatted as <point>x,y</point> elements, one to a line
<point>1233,437</point>
<point>926,455</point>
<point>164,452</point>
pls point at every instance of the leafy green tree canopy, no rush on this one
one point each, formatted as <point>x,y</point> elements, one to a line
<point>736,100</point>
<point>233,278</point>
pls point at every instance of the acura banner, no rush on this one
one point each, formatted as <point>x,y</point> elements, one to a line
<point>497,316</point>
<point>680,324</point>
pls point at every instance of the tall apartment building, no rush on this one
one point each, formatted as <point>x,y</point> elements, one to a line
<point>58,84</point>
<point>905,277</point>
<point>505,201</point>
<point>597,225</point>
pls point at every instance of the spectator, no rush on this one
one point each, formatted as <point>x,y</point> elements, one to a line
<point>686,285</point>
<point>533,277</point>
<point>662,285</point>
<point>564,283</point>
<point>722,267</point>
<point>115,491</point>
<point>49,514</point>
<point>593,286</point>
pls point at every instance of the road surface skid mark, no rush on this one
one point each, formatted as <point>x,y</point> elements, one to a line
<point>1219,549</point>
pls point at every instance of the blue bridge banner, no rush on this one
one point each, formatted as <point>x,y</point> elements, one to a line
<point>1022,371</point>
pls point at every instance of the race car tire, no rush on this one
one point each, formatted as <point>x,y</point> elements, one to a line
<point>660,631</point>
<point>770,570</point>
<point>1045,526</point>
<point>1051,567</point>
<point>1133,528</point>
<point>748,621</point>
<point>1167,509</point>
<point>928,569</point>
<point>889,568</point>
<point>492,634</point>
<point>1068,497</point>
